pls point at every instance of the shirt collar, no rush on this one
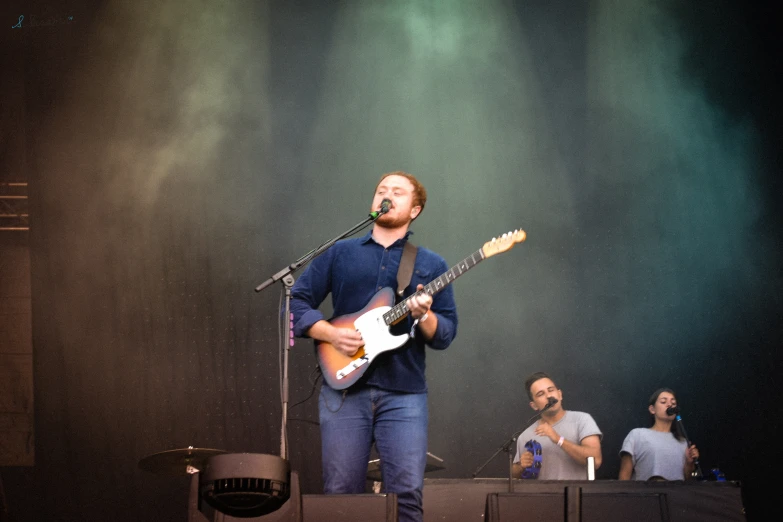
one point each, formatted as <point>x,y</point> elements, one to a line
<point>368,238</point>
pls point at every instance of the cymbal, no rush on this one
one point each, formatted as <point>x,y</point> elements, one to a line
<point>183,461</point>
<point>434,463</point>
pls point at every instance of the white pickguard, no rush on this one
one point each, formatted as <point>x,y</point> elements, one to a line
<point>377,338</point>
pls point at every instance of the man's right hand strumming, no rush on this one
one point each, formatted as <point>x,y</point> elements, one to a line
<point>344,339</point>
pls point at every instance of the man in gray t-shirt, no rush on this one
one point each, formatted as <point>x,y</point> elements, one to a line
<point>567,438</point>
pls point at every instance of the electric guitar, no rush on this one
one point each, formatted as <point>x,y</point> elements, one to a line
<point>374,320</point>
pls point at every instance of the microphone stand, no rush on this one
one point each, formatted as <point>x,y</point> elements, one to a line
<point>507,447</point>
<point>696,473</point>
<point>285,275</point>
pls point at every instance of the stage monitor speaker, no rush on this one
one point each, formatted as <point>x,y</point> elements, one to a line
<point>575,507</point>
<point>636,506</point>
<point>350,508</point>
<point>534,507</point>
<point>610,501</point>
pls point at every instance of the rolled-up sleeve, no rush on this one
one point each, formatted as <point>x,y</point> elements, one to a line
<point>445,306</point>
<point>309,292</point>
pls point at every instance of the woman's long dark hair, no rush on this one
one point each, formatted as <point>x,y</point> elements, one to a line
<point>675,425</point>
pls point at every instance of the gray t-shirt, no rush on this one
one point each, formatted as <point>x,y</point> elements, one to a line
<point>655,454</point>
<point>556,464</point>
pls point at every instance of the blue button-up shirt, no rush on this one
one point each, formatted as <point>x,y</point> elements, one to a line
<point>353,270</point>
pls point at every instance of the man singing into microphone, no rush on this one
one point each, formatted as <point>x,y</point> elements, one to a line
<point>388,405</point>
<point>567,438</point>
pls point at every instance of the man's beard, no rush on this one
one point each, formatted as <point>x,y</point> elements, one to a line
<point>387,221</point>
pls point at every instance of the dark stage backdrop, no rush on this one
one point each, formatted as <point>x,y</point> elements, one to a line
<point>181,152</point>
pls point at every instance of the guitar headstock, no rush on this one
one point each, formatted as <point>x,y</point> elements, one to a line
<point>503,243</point>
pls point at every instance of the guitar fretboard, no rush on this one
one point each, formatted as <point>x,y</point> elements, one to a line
<point>401,309</point>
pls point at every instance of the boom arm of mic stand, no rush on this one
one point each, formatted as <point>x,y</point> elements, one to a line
<point>288,281</point>
<point>296,265</point>
<point>507,447</point>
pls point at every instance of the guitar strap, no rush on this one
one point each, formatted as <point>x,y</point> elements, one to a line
<point>405,272</point>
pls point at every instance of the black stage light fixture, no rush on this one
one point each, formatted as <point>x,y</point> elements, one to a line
<point>245,485</point>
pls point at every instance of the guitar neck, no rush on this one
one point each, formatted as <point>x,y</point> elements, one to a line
<point>401,309</point>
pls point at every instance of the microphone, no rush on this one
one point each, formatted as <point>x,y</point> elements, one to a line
<point>551,401</point>
<point>385,207</point>
<point>696,473</point>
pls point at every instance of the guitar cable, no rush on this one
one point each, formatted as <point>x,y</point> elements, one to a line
<point>318,376</point>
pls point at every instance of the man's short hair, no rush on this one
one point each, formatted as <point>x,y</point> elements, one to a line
<point>533,378</point>
<point>419,192</point>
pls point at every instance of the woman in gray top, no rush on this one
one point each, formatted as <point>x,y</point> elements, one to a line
<point>660,452</point>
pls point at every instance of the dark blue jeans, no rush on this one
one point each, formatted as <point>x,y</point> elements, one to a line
<point>395,422</point>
